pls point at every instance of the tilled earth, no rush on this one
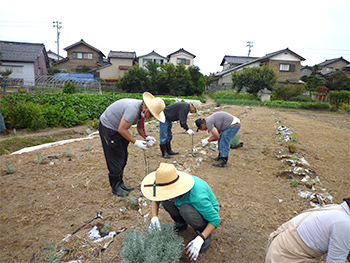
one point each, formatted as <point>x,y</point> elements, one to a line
<point>45,202</point>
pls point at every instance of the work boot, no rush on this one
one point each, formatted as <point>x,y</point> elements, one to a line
<point>115,182</point>
<point>164,151</point>
<point>124,187</point>
<point>221,163</point>
<point>205,245</point>
<point>216,158</point>
<point>180,226</point>
<point>169,150</point>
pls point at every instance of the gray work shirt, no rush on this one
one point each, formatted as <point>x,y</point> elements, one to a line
<point>220,120</point>
<point>129,109</point>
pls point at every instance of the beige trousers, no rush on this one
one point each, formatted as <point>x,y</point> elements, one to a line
<point>286,246</point>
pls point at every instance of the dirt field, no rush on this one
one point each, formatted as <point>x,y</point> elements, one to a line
<point>45,202</point>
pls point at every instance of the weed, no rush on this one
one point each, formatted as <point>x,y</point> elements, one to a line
<point>9,168</point>
<point>295,183</point>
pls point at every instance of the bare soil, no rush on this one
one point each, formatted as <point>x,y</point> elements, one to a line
<point>45,202</point>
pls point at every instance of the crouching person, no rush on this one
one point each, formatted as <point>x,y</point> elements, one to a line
<point>188,199</point>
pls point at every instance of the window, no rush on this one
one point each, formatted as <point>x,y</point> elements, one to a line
<point>287,67</point>
<point>329,69</point>
<point>81,55</point>
<point>183,61</point>
<point>284,67</point>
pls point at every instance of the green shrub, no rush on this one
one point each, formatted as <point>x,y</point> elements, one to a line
<point>152,245</point>
<point>302,98</point>
<point>339,96</point>
<point>69,88</point>
<point>287,91</point>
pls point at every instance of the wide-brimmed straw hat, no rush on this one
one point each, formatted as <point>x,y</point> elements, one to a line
<point>166,183</point>
<point>155,106</point>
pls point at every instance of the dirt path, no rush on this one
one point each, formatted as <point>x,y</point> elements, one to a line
<point>45,202</point>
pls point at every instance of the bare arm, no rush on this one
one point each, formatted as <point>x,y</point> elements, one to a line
<point>208,230</point>
<point>154,209</point>
<point>140,130</point>
<point>123,130</point>
<point>215,135</point>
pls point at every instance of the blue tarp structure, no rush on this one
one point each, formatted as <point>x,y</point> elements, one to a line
<point>77,77</point>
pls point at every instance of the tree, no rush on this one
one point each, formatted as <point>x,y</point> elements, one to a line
<point>197,80</point>
<point>287,91</point>
<point>338,81</point>
<point>312,82</point>
<point>254,79</point>
<point>5,73</point>
<point>135,80</point>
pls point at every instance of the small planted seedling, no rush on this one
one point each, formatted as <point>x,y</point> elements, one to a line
<point>9,168</point>
<point>89,146</point>
<point>51,254</point>
<point>133,132</point>
<point>40,158</point>
<point>295,183</point>
<point>131,200</point>
<point>105,229</point>
<point>68,153</point>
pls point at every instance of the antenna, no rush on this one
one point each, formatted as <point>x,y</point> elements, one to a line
<point>250,45</point>
<point>58,24</point>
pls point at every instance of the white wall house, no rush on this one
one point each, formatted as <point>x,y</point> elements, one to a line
<point>154,57</point>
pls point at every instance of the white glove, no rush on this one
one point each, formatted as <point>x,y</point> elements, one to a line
<point>204,141</point>
<point>193,248</point>
<point>190,132</point>
<point>155,222</point>
<point>150,141</point>
<point>141,144</point>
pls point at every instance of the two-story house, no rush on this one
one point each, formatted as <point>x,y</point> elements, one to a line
<point>285,63</point>
<point>80,54</point>
<point>27,61</point>
<point>118,63</point>
<point>234,61</point>
<point>181,56</point>
<point>330,66</point>
<point>154,57</point>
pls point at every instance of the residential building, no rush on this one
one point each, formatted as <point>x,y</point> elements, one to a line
<point>118,63</point>
<point>154,57</point>
<point>27,61</point>
<point>285,63</point>
<point>234,61</point>
<point>305,70</point>
<point>329,66</point>
<point>181,56</point>
<point>53,57</point>
<point>80,54</point>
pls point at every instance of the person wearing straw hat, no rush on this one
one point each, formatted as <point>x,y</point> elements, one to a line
<point>115,136</point>
<point>223,128</point>
<point>188,199</point>
<point>175,112</point>
<point>311,234</point>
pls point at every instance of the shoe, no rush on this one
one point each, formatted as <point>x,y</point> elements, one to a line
<point>222,163</point>
<point>216,158</point>
<point>180,226</point>
<point>119,191</point>
<point>124,187</point>
<point>169,150</point>
<point>164,151</point>
<point>205,245</point>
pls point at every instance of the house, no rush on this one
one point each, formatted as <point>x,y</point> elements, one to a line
<point>118,63</point>
<point>27,61</point>
<point>285,63</point>
<point>305,70</point>
<point>153,56</point>
<point>181,56</point>
<point>53,57</point>
<point>79,55</point>
<point>329,66</point>
<point>234,61</point>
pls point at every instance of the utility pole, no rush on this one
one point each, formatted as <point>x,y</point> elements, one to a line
<point>58,24</point>
<point>250,45</point>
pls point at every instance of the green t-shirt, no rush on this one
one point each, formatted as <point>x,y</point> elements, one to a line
<point>202,198</point>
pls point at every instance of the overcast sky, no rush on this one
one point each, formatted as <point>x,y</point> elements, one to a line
<point>314,29</point>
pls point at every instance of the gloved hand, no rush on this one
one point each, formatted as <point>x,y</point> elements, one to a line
<point>193,248</point>
<point>204,141</point>
<point>150,141</point>
<point>141,144</point>
<point>155,222</point>
<point>190,132</point>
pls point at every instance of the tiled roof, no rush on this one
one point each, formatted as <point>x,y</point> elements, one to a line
<point>330,61</point>
<point>84,43</point>
<point>181,50</point>
<point>236,60</point>
<point>122,54</point>
<point>152,53</point>
<point>20,51</point>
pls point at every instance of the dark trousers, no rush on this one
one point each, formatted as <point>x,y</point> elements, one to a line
<point>115,148</point>
<point>186,213</point>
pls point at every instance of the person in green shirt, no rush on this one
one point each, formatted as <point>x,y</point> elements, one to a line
<point>188,199</point>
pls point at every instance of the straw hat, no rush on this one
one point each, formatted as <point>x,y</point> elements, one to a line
<point>197,104</point>
<point>155,106</point>
<point>166,183</point>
